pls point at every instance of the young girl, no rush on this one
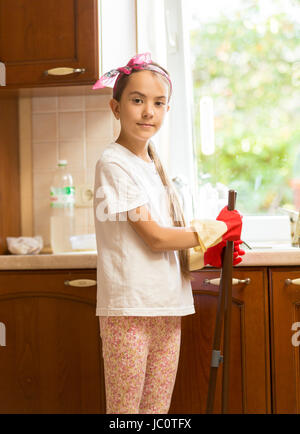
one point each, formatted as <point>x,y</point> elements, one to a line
<point>144,247</point>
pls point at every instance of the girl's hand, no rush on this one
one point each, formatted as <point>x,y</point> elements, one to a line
<point>213,255</point>
<point>233,221</point>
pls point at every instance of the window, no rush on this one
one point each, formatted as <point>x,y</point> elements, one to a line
<point>246,75</point>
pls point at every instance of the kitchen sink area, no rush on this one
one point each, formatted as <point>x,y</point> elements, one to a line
<point>275,246</point>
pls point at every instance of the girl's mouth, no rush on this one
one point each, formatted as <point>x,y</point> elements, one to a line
<point>146,125</point>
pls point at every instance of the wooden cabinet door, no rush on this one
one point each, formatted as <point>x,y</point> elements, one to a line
<point>10,213</point>
<point>249,354</point>
<point>285,340</point>
<point>52,361</point>
<point>36,36</point>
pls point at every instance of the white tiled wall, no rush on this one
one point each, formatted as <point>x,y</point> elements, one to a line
<point>74,128</point>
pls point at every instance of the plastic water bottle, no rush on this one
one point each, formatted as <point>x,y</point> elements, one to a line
<point>62,199</point>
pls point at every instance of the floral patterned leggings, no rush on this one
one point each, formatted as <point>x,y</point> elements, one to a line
<point>140,362</point>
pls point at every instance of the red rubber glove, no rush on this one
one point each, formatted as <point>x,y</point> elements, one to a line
<point>233,221</point>
<point>213,255</point>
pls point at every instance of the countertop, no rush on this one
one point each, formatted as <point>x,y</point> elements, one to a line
<point>259,257</point>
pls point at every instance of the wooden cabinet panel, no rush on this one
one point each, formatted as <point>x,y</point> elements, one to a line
<point>36,36</point>
<point>10,216</point>
<point>249,359</point>
<point>285,311</point>
<point>53,358</point>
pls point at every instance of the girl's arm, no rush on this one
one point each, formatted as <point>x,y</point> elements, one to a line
<point>160,238</point>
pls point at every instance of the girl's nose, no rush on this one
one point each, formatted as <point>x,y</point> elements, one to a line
<point>148,110</point>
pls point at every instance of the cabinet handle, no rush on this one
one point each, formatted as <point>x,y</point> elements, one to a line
<point>81,282</point>
<point>234,281</point>
<point>292,281</point>
<point>64,71</point>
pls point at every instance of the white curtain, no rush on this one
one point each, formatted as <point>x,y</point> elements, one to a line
<point>162,29</point>
<point>117,33</point>
<point>151,37</point>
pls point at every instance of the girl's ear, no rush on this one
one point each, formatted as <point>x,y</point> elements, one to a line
<point>115,108</point>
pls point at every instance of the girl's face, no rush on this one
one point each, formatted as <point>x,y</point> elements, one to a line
<point>143,105</point>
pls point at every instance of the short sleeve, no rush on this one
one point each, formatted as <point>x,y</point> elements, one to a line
<point>116,190</point>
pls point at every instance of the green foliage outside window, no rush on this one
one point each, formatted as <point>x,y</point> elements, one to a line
<point>249,66</point>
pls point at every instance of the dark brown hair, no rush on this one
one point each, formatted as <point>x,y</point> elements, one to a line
<point>174,204</point>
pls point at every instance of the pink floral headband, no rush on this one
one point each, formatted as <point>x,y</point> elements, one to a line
<point>139,62</point>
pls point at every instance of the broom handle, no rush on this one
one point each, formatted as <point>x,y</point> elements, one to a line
<point>227,273</point>
<point>219,320</point>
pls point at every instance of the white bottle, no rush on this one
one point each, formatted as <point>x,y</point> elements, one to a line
<point>62,199</point>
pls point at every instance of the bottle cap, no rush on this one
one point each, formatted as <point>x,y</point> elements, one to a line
<point>62,162</point>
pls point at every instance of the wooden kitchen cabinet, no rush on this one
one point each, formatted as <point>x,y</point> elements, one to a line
<point>36,36</point>
<point>53,356</point>
<point>285,342</point>
<point>52,361</point>
<point>250,355</point>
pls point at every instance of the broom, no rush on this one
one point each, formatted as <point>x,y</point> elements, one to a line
<point>223,310</point>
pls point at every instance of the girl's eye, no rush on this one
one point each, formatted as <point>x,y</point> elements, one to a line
<point>140,101</point>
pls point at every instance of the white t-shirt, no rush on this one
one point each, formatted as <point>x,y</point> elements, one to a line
<point>131,278</point>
